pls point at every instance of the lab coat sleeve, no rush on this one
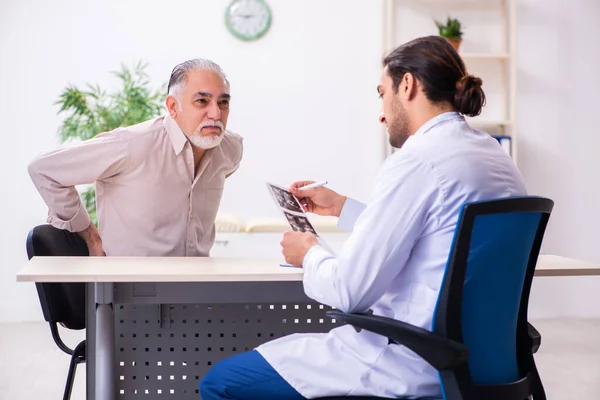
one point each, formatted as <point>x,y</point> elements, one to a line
<point>406,193</point>
<point>350,213</point>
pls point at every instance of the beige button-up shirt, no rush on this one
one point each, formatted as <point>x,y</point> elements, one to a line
<point>149,201</point>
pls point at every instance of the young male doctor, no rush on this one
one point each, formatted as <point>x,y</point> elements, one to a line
<point>394,260</point>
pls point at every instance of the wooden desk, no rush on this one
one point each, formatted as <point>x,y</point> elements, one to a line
<point>156,269</point>
<point>204,269</point>
<point>549,265</point>
<point>156,325</point>
<point>148,296</point>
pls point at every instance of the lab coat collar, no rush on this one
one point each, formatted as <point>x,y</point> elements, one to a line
<point>437,120</point>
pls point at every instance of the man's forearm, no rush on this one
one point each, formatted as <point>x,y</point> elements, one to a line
<point>340,201</point>
<point>56,173</point>
<point>91,235</point>
<point>93,240</point>
<point>66,211</point>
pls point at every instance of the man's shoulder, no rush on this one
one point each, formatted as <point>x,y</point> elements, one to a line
<point>408,169</point>
<point>142,130</point>
<point>404,157</point>
<point>234,138</point>
<point>232,145</point>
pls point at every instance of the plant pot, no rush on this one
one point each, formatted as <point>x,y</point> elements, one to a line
<point>455,42</point>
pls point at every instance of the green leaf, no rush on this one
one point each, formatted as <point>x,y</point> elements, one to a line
<point>450,29</point>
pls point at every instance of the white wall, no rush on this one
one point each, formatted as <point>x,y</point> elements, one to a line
<point>559,58</point>
<point>482,28</point>
<point>558,62</point>
<point>304,96</point>
<point>307,88</point>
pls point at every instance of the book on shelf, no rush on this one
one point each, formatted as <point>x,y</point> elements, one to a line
<point>505,142</point>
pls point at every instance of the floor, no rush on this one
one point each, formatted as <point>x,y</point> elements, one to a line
<point>568,361</point>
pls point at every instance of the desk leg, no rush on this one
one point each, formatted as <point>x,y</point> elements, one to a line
<point>90,339</point>
<point>105,342</point>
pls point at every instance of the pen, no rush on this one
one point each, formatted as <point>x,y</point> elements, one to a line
<point>313,185</point>
<point>289,265</point>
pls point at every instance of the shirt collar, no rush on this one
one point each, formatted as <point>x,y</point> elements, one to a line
<point>438,119</point>
<point>178,138</point>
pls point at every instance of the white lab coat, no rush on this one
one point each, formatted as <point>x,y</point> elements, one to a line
<point>393,263</point>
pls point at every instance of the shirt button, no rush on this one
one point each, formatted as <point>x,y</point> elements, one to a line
<point>190,244</point>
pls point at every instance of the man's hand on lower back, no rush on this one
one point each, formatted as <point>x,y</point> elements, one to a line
<point>93,241</point>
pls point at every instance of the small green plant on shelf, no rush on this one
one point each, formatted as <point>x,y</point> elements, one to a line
<point>451,30</point>
<point>92,110</point>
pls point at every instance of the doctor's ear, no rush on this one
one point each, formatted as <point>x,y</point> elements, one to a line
<point>408,86</point>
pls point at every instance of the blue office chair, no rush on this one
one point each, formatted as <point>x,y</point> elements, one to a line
<point>62,303</point>
<point>481,342</point>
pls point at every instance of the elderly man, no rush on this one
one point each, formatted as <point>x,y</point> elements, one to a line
<point>158,183</point>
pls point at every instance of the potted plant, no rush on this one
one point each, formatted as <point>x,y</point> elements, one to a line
<point>92,111</point>
<point>451,31</point>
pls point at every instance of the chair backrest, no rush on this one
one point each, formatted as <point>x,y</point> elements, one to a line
<point>61,302</point>
<point>485,293</point>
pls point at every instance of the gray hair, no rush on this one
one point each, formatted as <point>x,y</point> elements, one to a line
<point>179,75</point>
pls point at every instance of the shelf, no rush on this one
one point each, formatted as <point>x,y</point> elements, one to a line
<point>490,55</point>
<point>485,56</point>
<point>472,4</point>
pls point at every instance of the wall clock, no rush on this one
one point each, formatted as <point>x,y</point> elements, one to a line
<point>248,19</point>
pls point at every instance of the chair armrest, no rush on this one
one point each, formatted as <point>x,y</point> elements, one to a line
<point>439,352</point>
<point>535,336</point>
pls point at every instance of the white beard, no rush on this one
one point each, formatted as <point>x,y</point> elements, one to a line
<point>207,142</point>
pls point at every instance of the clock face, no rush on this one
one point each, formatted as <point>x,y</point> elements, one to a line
<point>248,19</point>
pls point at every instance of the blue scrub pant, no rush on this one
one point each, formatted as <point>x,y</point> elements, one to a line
<point>246,376</point>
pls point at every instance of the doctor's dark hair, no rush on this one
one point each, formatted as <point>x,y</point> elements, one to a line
<point>441,72</point>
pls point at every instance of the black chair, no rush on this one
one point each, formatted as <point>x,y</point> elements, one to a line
<point>481,342</point>
<point>62,303</point>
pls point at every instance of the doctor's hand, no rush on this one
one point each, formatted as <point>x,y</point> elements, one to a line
<point>321,201</point>
<point>295,245</point>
